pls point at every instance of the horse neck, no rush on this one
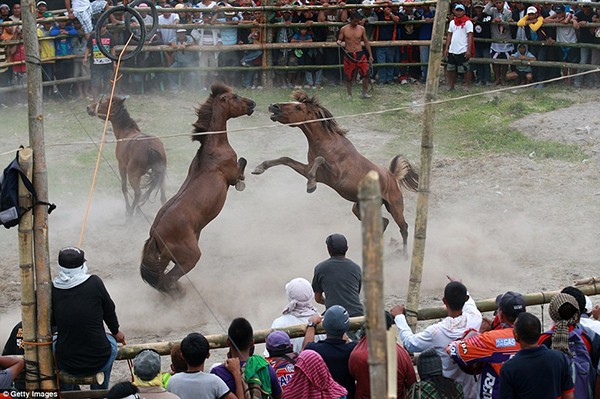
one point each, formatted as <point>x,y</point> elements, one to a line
<point>314,132</point>
<point>218,123</point>
<point>123,125</point>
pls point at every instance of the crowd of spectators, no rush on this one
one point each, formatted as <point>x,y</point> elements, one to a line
<point>492,20</point>
<point>464,355</point>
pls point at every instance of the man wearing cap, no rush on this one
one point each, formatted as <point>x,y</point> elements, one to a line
<point>565,33</point>
<point>334,350</point>
<point>182,58</point>
<point>147,376</point>
<point>42,7</point>
<point>80,307</point>
<point>431,379</point>
<point>481,30</point>
<point>338,280</point>
<point>458,47</point>
<point>490,349</point>
<point>584,16</point>
<point>500,32</point>
<point>462,317</point>
<point>281,356</point>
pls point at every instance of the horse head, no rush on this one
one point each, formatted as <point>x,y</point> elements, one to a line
<point>100,108</point>
<point>222,105</point>
<point>304,109</point>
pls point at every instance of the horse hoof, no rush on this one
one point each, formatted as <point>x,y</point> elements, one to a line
<point>258,170</point>
<point>240,185</point>
<point>311,188</point>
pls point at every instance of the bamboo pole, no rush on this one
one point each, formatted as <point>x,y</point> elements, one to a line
<point>28,309</point>
<point>585,281</point>
<point>67,378</point>
<point>431,88</point>
<point>392,362</point>
<point>40,182</point>
<point>369,196</point>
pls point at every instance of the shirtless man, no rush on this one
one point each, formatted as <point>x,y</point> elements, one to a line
<point>356,58</point>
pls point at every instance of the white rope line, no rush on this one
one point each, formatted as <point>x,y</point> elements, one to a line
<point>271,126</point>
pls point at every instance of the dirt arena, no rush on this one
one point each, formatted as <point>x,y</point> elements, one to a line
<point>498,222</point>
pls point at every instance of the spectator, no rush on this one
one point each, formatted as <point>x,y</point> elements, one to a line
<point>300,307</point>
<point>458,49</point>
<point>14,346</point>
<point>80,306</point>
<point>147,376</point>
<point>532,23</point>
<point>207,37</point>
<point>328,56</point>
<point>178,365</point>
<point>17,54</point>
<point>81,69</point>
<point>338,280</point>
<point>334,350</point>
<point>481,30</point>
<point>122,390</point>
<point>499,49</point>
<point>359,367</point>
<point>42,7</point>
<point>432,383</point>
<point>10,368</point>
<point>229,37</point>
<point>182,58</point>
<point>16,12</point>
<point>241,346</point>
<point>168,35</point>
<point>84,10</point>
<point>63,46</point>
<point>586,35</point>
<point>385,54</point>
<point>47,52</point>
<point>407,54</point>
<point>596,53</point>
<point>425,13</point>
<point>535,371</point>
<point>195,383</point>
<point>518,11</point>
<point>356,60</point>
<point>284,57</point>
<point>253,58</point>
<point>587,320</point>
<point>582,301</point>
<point>486,352</point>
<point>548,53</point>
<point>313,380</point>
<point>101,67</point>
<point>523,73</point>
<point>305,57</point>
<point>462,317</point>
<point>565,34</point>
<point>281,356</point>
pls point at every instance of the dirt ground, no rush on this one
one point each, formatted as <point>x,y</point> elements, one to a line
<point>498,222</point>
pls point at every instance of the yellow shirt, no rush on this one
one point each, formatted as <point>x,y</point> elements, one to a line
<point>46,46</point>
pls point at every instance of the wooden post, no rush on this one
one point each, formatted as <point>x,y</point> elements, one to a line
<point>369,196</point>
<point>40,182</point>
<point>28,309</point>
<point>433,75</point>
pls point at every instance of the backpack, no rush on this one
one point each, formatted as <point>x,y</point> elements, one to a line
<point>10,211</point>
<point>256,384</point>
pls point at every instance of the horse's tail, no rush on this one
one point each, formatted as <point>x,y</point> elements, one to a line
<point>404,173</point>
<point>152,268</point>
<point>157,174</point>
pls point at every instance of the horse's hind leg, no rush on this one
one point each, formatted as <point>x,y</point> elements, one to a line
<point>240,185</point>
<point>123,173</point>
<point>356,212</point>
<point>396,208</point>
<point>185,258</point>
<point>134,181</point>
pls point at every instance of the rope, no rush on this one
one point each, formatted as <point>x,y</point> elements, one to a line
<point>112,93</point>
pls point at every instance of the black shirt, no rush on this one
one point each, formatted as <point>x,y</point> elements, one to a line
<point>79,314</point>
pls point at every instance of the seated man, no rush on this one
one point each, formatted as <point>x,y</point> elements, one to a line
<point>10,368</point>
<point>147,376</point>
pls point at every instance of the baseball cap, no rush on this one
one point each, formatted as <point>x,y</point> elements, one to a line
<point>478,4</point>
<point>39,3</point>
<point>278,341</point>
<point>70,257</point>
<point>337,244</point>
<point>559,8</point>
<point>336,321</point>
<point>146,365</point>
<point>511,303</point>
<point>531,10</point>
<point>181,31</point>
<point>4,6</point>
<point>459,7</point>
<point>47,14</point>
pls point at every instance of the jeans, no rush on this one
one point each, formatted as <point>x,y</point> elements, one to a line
<point>585,57</point>
<point>482,71</point>
<point>424,57</point>
<point>385,55</point>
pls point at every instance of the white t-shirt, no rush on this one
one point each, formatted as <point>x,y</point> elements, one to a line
<point>168,34</point>
<point>460,39</point>
<point>199,385</point>
<point>288,320</point>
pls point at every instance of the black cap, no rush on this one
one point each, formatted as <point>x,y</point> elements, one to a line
<point>511,303</point>
<point>559,8</point>
<point>337,244</point>
<point>71,257</point>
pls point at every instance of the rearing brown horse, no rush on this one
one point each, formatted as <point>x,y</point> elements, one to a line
<point>176,229</point>
<point>138,154</point>
<point>333,159</point>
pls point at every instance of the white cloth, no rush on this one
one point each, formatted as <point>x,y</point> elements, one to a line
<point>288,320</point>
<point>69,278</point>
<point>300,296</point>
<point>460,39</point>
<point>591,324</point>
<point>168,35</point>
<point>438,336</point>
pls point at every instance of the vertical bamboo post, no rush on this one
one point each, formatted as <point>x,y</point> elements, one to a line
<point>268,74</point>
<point>392,363</point>
<point>369,195</point>
<point>433,77</point>
<point>40,182</point>
<point>28,309</point>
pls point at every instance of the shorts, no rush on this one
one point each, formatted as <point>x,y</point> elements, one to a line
<point>457,62</point>
<point>80,69</point>
<point>497,55</point>
<point>356,61</point>
<point>569,54</point>
<point>85,16</point>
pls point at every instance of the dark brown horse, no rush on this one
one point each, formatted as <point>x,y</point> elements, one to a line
<point>176,229</point>
<point>138,154</point>
<point>333,160</point>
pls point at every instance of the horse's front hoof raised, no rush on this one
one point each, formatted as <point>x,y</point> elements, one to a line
<point>259,170</point>
<point>240,185</point>
<point>310,188</point>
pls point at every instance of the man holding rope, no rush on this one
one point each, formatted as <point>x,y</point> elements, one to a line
<point>355,59</point>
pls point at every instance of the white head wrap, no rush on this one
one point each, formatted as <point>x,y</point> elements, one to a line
<point>69,278</point>
<point>300,296</point>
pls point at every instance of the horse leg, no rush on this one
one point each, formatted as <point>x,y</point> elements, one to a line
<point>396,208</point>
<point>356,212</point>
<point>297,166</point>
<point>134,181</point>
<point>123,173</point>
<point>311,185</point>
<point>240,185</point>
<point>185,258</point>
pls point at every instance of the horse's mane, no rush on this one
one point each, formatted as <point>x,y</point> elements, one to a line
<point>322,112</point>
<point>204,111</point>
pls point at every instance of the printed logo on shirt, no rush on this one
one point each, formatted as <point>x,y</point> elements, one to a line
<point>487,387</point>
<point>505,342</point>
<point>463,346</point>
